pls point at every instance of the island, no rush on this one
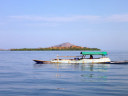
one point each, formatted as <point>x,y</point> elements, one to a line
<point>61,47</point>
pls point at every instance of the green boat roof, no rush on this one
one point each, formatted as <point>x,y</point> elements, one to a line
<point>93,53</point>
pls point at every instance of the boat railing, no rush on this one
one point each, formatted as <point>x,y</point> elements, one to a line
<point>77,57</point>
<point>69,56</point>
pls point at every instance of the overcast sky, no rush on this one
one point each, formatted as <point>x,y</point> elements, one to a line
<point>41,23</point>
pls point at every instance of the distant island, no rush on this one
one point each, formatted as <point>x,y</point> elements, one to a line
<point>3,49</point>
<point>61,47</point>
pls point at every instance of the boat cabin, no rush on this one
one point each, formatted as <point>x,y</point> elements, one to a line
<point>85,55</point>
<point>93,53</point>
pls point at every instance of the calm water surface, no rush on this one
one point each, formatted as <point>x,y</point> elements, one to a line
<point>20,76</point>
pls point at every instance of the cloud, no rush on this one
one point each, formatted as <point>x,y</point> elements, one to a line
<point>42,24</point>
<point>117,18</point>
<point>82,18</point>
<point>57,19</point>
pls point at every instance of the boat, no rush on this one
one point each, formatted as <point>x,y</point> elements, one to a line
<point>80,59</point>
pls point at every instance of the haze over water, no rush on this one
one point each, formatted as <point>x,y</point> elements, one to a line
<point>20,76</point>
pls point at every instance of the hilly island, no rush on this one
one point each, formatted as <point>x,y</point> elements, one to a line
<point>61,47</point>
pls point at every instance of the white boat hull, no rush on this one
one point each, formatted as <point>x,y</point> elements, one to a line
<point>95,60</point>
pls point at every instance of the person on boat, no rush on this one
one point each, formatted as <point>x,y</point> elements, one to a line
<point>91,57</point>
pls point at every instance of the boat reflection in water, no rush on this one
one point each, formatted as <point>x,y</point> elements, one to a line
<point>84,67</point>
<point>84,72</point>
<point>87,72</point>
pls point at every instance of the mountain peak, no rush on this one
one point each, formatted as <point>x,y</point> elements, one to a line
<point>66,44</point>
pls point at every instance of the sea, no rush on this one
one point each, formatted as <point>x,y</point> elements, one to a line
<point>21,76</point>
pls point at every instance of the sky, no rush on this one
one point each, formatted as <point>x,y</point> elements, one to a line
<point>42,23</point>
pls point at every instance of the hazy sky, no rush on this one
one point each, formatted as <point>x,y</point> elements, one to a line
<point>41,23</point>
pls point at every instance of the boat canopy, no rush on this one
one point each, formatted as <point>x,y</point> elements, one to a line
<point>94,53</point>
